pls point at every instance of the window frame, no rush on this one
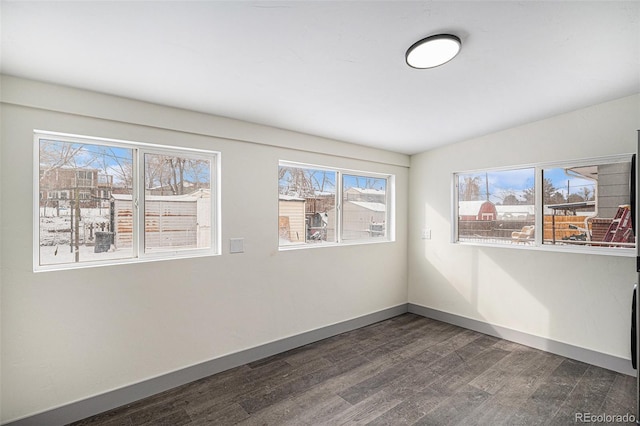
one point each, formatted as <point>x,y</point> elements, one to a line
<point>390,234</point>
<point>139,149</point>
<point>538,243</point>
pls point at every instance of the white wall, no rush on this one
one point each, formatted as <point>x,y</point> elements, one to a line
<point>68,335</point>
<point>582,300</point>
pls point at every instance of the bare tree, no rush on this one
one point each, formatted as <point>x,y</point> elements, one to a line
<point>470,188</point>
<point>303,183</point>
<point>176,175</point>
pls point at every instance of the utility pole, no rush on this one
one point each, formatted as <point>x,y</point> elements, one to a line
<point>486,184</point>
<point>71,210</point>
<point>77,225</point>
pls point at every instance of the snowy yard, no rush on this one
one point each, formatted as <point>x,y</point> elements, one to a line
<point>52,255</point>
<point>55,235</point>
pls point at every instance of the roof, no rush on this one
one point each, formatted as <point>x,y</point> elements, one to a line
<point>470,208</point>
<point>194,196</point>
<point>571,206</point>
<point>284,197</point>
<point>367,191</point>
<point>376,207</point>
<point>516,208</point>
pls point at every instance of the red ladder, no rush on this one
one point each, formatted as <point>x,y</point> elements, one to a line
<point>620,228</point>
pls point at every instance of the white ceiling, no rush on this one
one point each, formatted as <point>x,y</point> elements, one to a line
<point>336,68</point>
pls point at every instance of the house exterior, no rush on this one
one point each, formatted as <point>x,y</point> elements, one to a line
<point>186,187</point>
<point>363,219</point>
<point>612,186</point>
<point>365,194</point>
<point>60,185</point>
<point>477,210</point>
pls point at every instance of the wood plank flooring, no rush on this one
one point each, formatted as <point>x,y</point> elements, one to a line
<point>403,371</point>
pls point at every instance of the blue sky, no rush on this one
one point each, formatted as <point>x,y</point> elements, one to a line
<point>329,179</point>
<point>559,178</point>
<point>351,181</point>
<point>516,181</point>
<point>113,160</point>
<point>502,183</point>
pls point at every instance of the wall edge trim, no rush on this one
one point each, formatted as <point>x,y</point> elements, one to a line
<point>599,359</point>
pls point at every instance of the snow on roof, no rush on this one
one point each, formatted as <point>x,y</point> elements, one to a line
<point>518,208</point>
<point>202,193</point>
<point>185,184</point>
<point>376,207</point>
<point>469,208</point>
<point>367,190</point>
<point>289,198</point>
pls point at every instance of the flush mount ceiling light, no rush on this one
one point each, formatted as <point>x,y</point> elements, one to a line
<point>433,51</point>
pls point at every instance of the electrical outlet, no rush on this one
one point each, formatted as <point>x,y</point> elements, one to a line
<point>426,234</point>
<point>236,245</point>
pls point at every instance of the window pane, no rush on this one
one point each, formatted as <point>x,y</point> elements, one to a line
<point>178,203</point>
<point>497,206</point>
<point>306,205</point>
<point>364,207</point>
<point>588,205</point>
<point>78,185</point>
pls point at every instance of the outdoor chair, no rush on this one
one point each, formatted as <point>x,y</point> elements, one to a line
<point>525,234</point>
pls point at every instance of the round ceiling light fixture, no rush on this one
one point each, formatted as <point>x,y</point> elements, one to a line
<point>433,51</point>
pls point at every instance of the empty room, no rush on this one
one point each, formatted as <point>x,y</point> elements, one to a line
<point>318,212</point>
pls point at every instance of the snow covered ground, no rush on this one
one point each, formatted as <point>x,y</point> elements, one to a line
<point>55,234</point>
<point>56,230</point>
<point>55,255</point>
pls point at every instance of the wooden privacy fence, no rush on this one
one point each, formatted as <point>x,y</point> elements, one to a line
<point>564,228</point>
<point>491,228</point>
<point>182,221</point>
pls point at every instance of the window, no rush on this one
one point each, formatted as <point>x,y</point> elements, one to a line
<point>319,206</point>
<point>113,201</point>
<point>588,204</point>
<point>364,207</point>
<point>580,205</point>
<point>493,204</point>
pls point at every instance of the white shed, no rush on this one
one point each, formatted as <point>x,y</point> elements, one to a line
<point>291,219</point>
<point>176,221</point>
<point>361,219</point>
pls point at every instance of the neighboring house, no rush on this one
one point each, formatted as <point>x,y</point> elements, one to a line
<point>613,186</point>
<point>365,194</point>
<point>360,219</point>
<point>477,210</point>
<point>363,219</point>
<point>174,189</point>
<point>61,184</point>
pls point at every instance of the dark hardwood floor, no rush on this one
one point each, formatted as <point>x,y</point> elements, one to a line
<point>406,370</point>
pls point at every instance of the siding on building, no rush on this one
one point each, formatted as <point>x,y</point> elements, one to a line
<point>181,221</point>
<point>613,188</point>
<point>291,220</point>
<point>170,223</point>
